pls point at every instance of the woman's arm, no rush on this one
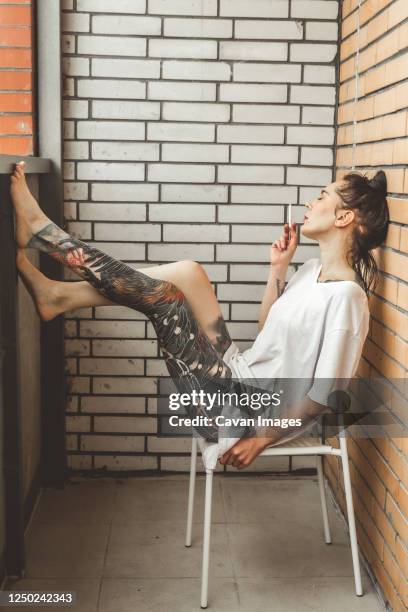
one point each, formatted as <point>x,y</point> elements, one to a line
<point>282,251</point>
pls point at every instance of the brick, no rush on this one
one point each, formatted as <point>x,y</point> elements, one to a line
<point>111,45</point>
<point>309,176</point>
<point>134,405</point>
<point>75,22</point>
<point>116,366</point>
<point>130,424</point>
<point>250,174</point>
<point>195,152</point>
<point>91,171</point>
<point>111,329</point>
<point>112,443</point>
<point>268,73</point>
<point>176,252</point>
<point>168,445</point>
<point>198,71</point>
<point>15,37</point>
<point>242,253</point>
<point>316,30</point>
<point>263,154</point>
<point>315,9</point>
<point>200,233</point>
<point>198,28</point>
<point>316,156</point>
<point>180,131</point>
<point>181,91</point>
<point>260,8</point>
<point>173,173</point>
<point>255,233</point>
<point>259,194</point>
<point>15,15</point>
<point>145,26</point>
<point>106,6</point>
<point>241,92</point>
<point>257,134</point>
<point>183,48</point>
<point>105,109</point>
<point>194,193</point>
<point>321,115</point>
<point>124,385</point>
<point>182,212</point>
<point>253,29</point>
<point>124,348</point>
<point>126,68</point>
<point>122,192</point>
<point>102,88</point>
<point>183,7</point>
<point>122,250</point>
<point>104,130</point>
<point>309,52</point>
<point>319,74</point>
<point>190,111</point>
<point>75,66</point>
<point>75,191</point>
<point>259,113</point>
<point>133,151</point>
<point>250,214</point>
<point>124,462</point>
<point>128,232</point>
<point>75,109</point>
<point>312,94</point>
<point>235,50</point>
<point>12,80</point>
<point>310,135</point>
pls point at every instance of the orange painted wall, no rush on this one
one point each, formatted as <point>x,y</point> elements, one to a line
<point>380,466</point>
<point>16,78</point>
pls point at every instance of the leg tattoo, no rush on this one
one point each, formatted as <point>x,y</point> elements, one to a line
<point>192,360</point>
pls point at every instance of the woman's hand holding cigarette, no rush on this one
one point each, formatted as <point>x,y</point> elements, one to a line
<point>283,249</point>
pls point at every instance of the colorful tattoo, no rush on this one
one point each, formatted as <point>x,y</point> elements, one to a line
<point>193,362</point>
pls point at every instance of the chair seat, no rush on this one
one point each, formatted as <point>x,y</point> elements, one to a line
<point>302,445</point>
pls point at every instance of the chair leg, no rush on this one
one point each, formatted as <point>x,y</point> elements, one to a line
<point>191,490</point>
<point>206,538</point>
<point>350,515</point>
<point>322,489</point>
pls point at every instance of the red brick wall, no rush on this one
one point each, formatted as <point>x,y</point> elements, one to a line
<point>379,466</point>
<point>16,78</point>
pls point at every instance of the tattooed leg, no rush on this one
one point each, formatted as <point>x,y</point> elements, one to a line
<point>192,361</point>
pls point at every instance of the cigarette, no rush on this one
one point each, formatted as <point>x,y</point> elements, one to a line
<point>290,215</point>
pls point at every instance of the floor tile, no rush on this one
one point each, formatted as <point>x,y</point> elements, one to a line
<point>300,595</point>
<point>56,550</point>
<point>157,550</point>
<point>164,500</point>
<point>164,594</point>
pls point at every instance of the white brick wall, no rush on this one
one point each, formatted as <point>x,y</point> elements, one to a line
<point>189,126</point>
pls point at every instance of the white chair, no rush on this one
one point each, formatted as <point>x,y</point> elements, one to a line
<point>297,446</point>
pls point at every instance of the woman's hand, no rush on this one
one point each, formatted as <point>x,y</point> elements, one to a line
<point>283,249</point>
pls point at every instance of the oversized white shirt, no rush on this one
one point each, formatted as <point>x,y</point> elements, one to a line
<point>314,330</point>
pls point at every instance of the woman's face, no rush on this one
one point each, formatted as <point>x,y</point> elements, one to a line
<point>323,213</point>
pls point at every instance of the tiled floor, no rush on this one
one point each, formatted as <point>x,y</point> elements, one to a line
<point>119,543</point>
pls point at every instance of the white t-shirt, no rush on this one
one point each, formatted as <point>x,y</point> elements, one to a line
<point>314,330</point>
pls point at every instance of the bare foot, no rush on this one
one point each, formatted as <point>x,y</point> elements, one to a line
<point>29,216</point>
<point>47,294</point>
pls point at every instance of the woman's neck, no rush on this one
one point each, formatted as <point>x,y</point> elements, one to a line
<point>334,264</point>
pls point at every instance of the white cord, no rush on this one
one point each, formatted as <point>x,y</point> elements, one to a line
<point>356,83</point>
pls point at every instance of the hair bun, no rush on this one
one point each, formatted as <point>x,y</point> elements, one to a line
<point>379,182</point>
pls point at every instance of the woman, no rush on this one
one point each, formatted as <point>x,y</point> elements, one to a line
<point>307,328</point>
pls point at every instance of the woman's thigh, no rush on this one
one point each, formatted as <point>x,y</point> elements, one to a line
<point>191,278</point>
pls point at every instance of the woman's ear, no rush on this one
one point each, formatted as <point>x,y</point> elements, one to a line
<point>344,216</point>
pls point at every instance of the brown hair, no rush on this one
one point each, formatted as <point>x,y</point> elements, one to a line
<point>368,198</point>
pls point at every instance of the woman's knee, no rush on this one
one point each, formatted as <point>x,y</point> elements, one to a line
<point>191,269</point>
